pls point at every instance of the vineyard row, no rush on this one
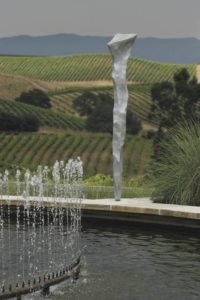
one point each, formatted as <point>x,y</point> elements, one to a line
<point>87,68</point>
<point>29,150</point>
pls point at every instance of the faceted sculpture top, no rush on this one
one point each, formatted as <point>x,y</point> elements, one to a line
<point>121,37</point>
<point>121,45</point>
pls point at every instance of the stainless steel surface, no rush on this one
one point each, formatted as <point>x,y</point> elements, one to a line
<point>120,48</point>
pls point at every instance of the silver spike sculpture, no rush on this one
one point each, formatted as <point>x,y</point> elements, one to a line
<point>120,48</point>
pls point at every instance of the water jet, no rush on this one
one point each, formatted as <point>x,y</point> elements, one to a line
<point>39,238</point>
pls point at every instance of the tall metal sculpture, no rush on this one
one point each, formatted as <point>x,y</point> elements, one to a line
<point>120,48</point>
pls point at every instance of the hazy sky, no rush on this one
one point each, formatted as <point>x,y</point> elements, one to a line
<point>159,18</point>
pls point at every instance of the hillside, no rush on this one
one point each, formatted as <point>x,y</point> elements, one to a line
<point>63,79</point>
<point>12,85</point>
<point>87,68</point>
<point>46,117</point>
<point>139,99</point>
<point>29,150</point>
<point>174,50</point>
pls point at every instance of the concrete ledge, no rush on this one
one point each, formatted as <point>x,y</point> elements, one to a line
<point>143,206</point>
<point>141,210</point>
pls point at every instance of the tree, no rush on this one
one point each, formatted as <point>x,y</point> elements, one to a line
<point>175,102</point>
<point>98,108</point>
<point>101,118</point>
<point>133,124</point>
<point>172,103</point>
<point>86,103</point>
<point>24,122</point>
<point>35,97</point>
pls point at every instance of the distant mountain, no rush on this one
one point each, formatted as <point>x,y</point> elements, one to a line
<point>177,50</point>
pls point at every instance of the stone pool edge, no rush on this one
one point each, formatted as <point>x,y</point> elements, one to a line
<point>142,210</point>
<point>138,210</point>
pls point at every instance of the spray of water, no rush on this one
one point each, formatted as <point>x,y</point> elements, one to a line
<point>40,221</point>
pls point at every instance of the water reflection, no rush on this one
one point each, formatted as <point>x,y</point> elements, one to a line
<point>135,264</point>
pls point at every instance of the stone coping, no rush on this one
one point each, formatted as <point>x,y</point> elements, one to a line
<point>143,206</point>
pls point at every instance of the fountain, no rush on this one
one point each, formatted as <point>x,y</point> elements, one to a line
<point>40,228</point>
<point>40,223</point>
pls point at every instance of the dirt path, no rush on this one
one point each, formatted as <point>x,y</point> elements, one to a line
<point>12,85</point>
<point>198,73</point>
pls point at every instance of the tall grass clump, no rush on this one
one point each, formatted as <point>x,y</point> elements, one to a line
<point>178,171</point>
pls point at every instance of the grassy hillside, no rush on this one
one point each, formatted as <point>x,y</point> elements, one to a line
<point>46,117</point>
<point>65,78</point>
<point>28,150</point>
<point>87,68</point>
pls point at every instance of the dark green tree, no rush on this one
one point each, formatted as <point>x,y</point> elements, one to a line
<point>98,108</point>
<point>35,97</point>
<point>101,117</point>
<point>133,124</point>
<point>174,102</point>
<point>23,122</point>
<point>86,103</point>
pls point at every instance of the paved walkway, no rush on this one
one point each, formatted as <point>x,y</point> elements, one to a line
<point>198,73</point>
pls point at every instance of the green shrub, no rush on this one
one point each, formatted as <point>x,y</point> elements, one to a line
<point>101,186</point>
<point>178,171</point>
<point>99,179</point>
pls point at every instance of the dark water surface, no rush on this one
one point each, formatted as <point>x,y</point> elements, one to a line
<point>136,263</point>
